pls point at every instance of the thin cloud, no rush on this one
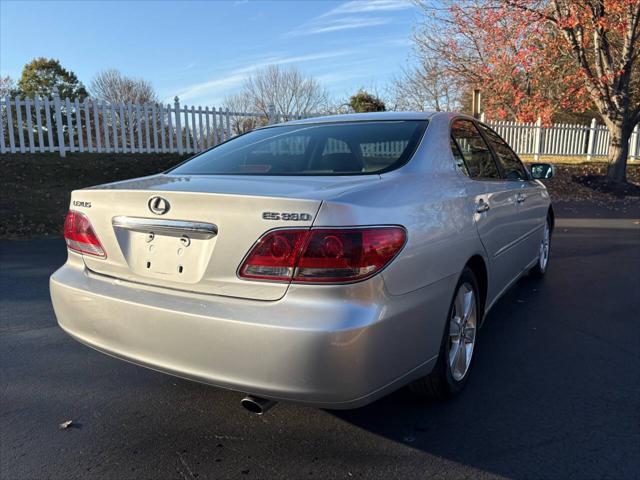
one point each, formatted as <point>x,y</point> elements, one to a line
<point>235,77</point>
<point>198,90</point>
<point>334,25</point>
<point>350,15</point>
<point>367,6</point>
<point>186,67</point>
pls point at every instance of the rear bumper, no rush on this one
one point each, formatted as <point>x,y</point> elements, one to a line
<point>333,347</point>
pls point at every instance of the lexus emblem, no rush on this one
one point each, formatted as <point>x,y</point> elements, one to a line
<point>159,205</point>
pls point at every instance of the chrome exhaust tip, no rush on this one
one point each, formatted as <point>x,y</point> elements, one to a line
<point>257,405</point>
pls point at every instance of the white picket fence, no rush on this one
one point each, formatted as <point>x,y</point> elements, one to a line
<point>57,125</point>
<point>561,139</point>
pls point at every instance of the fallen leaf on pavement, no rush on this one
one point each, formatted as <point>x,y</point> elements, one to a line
<point>66,424</point>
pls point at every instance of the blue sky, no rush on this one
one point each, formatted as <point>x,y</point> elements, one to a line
<point>201,51</point>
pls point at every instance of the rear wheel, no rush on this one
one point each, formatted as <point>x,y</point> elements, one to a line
<point>540,267</point>
<point>458,343</point>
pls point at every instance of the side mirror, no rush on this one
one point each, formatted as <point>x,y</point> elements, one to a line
<point>541,171</point>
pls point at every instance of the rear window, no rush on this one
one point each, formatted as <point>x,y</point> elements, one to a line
<point>339,148</point>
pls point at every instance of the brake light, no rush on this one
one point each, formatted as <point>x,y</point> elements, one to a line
<point>323,255</point>
<point>80,236</point>
<point>274,256</point>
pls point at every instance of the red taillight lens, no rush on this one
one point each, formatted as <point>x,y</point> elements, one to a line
<point>80,236</point>
<point>323,255</point>
<point>345,255</point>
<point>274,256</point>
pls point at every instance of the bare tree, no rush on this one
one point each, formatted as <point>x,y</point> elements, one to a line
<point>292,93</point>
<point>238,104</point>
<point>426,87</point>
<point>114,87</point>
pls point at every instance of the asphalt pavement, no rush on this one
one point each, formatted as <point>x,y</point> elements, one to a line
<point>555,391</point>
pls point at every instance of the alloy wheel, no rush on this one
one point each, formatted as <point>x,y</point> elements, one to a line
<point>544,249</point>
<point>462,331</point>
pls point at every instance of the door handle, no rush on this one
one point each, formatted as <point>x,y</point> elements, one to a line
<point>482,206</point>
<point>521,197</point>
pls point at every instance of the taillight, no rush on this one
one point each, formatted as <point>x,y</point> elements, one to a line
<point>80,236</point>
<point>323,255</point>
<point>274,256</point>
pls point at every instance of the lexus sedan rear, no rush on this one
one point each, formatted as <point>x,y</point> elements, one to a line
<point>327,261</point>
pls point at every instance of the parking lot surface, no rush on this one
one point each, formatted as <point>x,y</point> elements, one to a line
<point>555,391</point>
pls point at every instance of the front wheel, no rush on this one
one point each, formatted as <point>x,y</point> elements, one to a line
<point>458,343</point>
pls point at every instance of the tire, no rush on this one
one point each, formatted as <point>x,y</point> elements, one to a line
<point>544,253</point>
<point>446,381</point>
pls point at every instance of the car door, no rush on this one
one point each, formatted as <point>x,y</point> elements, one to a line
<point>494,203</point>
<point>531,198</point>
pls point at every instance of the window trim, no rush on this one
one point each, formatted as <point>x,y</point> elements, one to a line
<point>423,125</point>
<point>493,156</point>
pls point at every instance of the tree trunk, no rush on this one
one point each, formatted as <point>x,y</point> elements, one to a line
<point>619,135</point>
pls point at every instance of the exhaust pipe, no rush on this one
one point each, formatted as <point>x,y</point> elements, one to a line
<point>257,405</point>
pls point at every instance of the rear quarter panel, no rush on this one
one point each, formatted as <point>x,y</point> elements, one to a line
<point>437,214</point>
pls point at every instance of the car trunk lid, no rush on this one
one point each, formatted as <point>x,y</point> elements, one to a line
<point>192,233</point>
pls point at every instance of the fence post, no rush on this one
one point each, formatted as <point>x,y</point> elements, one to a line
<point>2,147</point>
<point>482,117</point>
<point>633,148</point>
<point>39,124</point>
<point>27,110</point>
<point>59,125</point>
<point>12,142</point>
<point>537,140</point>
<point>19,122</point>
<point>47,118</point>
<point>592,138</point>
<point>271,115</point>
<point>228,123</point>
<point>178,124</point>
<point>72,141</point>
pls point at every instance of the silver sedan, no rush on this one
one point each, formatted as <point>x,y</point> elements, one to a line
<point>326,261</point>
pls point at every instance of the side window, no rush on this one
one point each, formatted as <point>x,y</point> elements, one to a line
<point>457,156</point>
<point>474,151</point>
<point>509,161</point>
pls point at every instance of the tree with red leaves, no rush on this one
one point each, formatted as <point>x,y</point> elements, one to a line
<point>536,58</point>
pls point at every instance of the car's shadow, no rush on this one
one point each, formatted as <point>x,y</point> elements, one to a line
<point>534,404</point>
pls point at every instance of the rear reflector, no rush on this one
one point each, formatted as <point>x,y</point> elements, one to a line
<point>323,255</point>
<point>80,236</point>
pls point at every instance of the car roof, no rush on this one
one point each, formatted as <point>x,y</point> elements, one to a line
<point>364,117</point>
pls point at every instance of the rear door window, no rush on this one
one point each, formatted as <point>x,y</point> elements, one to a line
<point>512,167</point>
<point>472,151</point>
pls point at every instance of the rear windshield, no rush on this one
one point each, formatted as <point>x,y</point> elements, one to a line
<point>339,148</point>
